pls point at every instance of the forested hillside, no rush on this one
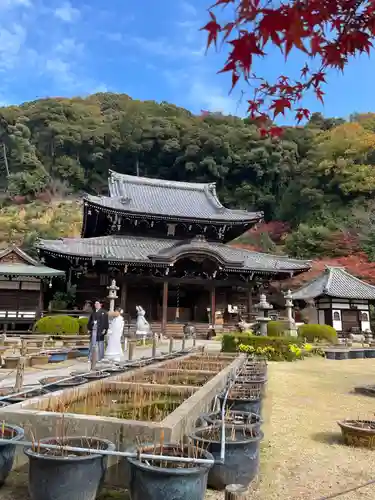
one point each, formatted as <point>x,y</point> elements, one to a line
<point>315,184</point>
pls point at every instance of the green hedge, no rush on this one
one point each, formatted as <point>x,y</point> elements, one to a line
<point>83,325</point>
<point>231,342</point>
<point>57,325</point>
<point>277,328</point>
<point>312,332</point>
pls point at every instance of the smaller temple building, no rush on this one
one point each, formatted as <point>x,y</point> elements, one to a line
<point>23,281</point>
<point>338,299</point>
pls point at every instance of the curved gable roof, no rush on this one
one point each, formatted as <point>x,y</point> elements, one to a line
<point>184,200</point>
<point>336,282</point>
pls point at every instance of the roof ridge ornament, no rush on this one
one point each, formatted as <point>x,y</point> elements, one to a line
<point>125,200</point>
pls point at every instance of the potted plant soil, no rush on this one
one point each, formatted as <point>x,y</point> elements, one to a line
<point>59,474</point>
<point>241,453</point>
<point>233,417</point>
<point>243,398</point>
<point>7,451</point>
<point>161,480</point>
<point>359,433</point>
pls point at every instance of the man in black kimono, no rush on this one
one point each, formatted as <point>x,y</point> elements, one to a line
<point>97,328</point>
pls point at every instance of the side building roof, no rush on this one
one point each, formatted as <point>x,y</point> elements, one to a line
<point>336,282</point>
<point>157,251</point>
<point>15,263</point>
<point>169,199</point>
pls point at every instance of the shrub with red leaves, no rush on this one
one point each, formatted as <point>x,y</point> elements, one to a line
<point>277,230</point>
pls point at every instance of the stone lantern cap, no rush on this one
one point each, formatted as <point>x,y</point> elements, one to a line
<point>263,304</point>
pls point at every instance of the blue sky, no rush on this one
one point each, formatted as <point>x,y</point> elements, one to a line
<point>149,49</point>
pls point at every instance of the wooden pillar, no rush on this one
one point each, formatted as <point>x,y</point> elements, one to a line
<point>213,305</point>
<point>124,296</point>
<point>235,492</point>
<point>20,373</point>
<point>164,308</point>
<point>41,300</point>
<point>249,302</point>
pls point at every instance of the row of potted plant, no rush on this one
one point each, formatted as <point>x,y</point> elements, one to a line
<point>159,470</point>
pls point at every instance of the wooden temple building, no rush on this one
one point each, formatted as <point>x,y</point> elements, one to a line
<point>23,281</point>
<point>166,244</point>
<point>338,299</point>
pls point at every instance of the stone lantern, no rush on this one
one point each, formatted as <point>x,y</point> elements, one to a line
<point>289,310</point>
<point>263,319</point>
<point>112,295</point>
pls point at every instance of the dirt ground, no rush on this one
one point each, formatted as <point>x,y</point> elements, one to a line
<point>303,457</point>
<point>302,454</point>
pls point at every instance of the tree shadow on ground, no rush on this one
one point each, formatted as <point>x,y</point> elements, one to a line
<point>331,438</point>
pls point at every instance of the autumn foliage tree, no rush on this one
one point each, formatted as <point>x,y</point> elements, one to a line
<point>328,32</point>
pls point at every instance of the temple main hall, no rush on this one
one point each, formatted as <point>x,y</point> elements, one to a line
<point>167,245</point>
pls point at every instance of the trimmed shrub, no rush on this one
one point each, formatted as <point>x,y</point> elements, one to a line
<point>57,325</point>
<point>277,328</point>
<point>312,332</point>
<point>83,325</point>
<point>231,342</point>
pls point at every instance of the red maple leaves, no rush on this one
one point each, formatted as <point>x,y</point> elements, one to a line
<point>329,32</point>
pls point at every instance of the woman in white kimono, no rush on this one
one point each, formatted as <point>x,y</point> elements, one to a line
<point>114,350</point>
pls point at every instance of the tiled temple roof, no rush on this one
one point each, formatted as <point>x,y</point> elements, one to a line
<point>169,199</point>
<point>336,282</point>
<point>152,251</point>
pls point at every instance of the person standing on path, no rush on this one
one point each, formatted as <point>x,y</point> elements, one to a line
<point>97,328</point>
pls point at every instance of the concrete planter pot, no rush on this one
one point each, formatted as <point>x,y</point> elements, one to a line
<point>81,475</point>
<point>233,418</point>
<point>247,401</point>
<point>83,351</point>
<point>337,354</point>
<point>7,451</point>
<point>61,383</point>
<point>11,363</point>
<point>356,353</point>
<point>330,354</point>
<point>359,433</point>
<point>241,454</point>
<point>32,350</point>
<point>255,368</point>
<point>39,359</point>
<point>341,354</point>
<point>151,482</point>
<point>69,343</point>
<point>367,390</point>
<point>20,398</point>
<point>97,375</point>
<point>57,356</point>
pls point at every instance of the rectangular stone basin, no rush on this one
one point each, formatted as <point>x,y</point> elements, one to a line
<point>174,377</point>
<point>116,400</point>
<point>199,364</point>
